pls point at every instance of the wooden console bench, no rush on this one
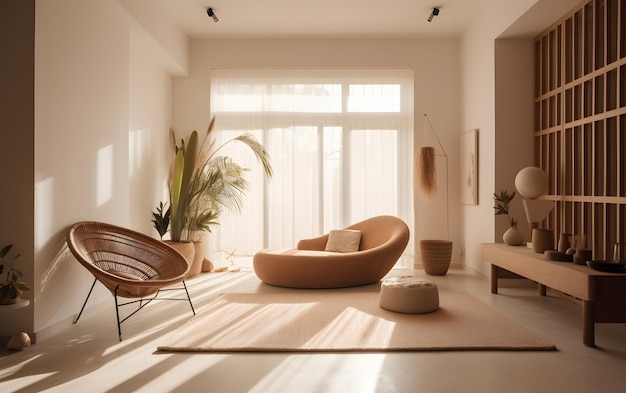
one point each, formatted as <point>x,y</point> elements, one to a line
<point>603,295</point>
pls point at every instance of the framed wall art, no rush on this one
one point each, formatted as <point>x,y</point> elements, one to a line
<point>469,167</point>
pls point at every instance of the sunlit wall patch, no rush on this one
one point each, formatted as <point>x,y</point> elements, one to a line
<point>104,176</point>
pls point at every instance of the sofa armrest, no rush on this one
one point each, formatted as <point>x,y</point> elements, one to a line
<point>315,244</point>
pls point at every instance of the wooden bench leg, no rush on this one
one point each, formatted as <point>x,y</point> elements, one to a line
<point>588,324</point>
<point>494,279</point>
<point>542,290</point>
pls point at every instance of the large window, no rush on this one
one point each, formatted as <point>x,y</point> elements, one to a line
<point>341,147</point>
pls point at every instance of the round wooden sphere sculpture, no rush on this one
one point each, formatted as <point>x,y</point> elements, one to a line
<point>531,182</point>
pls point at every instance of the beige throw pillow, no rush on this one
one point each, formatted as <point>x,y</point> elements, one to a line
<point>343,240</point>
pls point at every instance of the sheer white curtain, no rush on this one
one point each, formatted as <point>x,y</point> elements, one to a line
<point>341,147</point>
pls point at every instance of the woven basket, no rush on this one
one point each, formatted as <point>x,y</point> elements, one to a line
<point>436,255</point>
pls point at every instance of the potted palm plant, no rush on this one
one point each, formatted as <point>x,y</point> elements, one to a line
<point>203,184</point>
<point>10,287</point>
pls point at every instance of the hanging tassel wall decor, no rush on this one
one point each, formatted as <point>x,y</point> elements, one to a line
<point>426,171</point>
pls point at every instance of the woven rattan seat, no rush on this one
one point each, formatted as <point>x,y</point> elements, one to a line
<point>128,263</point>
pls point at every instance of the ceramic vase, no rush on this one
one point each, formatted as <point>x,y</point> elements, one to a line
<point>563,244</point>
<point>513,237</point>
<point>436,255</point>
<point>582,256</point>
<point>619,253</point>
<point>531,182</point>
<point>542,240</point>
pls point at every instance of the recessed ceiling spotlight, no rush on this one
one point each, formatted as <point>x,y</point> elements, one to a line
<point>433,13</point>
<point>210,13</point>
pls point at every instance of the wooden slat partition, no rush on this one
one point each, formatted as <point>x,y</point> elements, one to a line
<point>580,122</point>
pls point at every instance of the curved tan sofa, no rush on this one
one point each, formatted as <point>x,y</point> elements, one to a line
<point>383,240</point>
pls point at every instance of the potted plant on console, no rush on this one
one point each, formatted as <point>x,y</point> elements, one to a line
<point>202,185</point>
<point>512,236</point>
<point>10,287</point>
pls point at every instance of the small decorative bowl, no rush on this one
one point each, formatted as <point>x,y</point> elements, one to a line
<point>604,266</point>
<point>555,255</point>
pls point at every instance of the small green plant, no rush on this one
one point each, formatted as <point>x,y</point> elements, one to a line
<point>10,287</point>
<point>161,219</point>
<point>503,201</point>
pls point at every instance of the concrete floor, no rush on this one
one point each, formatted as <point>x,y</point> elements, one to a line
<point>87,357</point>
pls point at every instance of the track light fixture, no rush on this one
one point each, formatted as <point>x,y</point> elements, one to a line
<point>210,13</point>
<point>433,13</point>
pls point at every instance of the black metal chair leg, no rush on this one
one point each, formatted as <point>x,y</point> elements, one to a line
<point>189,298</point>
<point>141,302</point>
<point>117,313</point>
<point>85,303</point>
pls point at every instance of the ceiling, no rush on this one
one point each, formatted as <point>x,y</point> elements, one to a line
<point>240,19</point>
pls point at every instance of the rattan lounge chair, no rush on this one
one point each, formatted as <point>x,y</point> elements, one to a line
<point>128,263</point>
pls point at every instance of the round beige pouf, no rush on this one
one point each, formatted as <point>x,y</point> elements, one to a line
<point>409,294</point>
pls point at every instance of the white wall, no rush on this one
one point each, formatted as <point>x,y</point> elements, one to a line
<point>435,64</point>
<point>103,110</point>
<point>150,103</point>
<point>167,42</point>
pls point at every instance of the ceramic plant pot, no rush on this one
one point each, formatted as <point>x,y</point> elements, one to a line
<point>187,249</point>
<point>8,301</point>
<point>198,258</point>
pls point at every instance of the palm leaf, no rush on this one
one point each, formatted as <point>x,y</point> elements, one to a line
<point>184,166</point>
<point>5,250</point>
<point>204,184</point>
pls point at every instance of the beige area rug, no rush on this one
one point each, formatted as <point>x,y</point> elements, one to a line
<point>305,320</point>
